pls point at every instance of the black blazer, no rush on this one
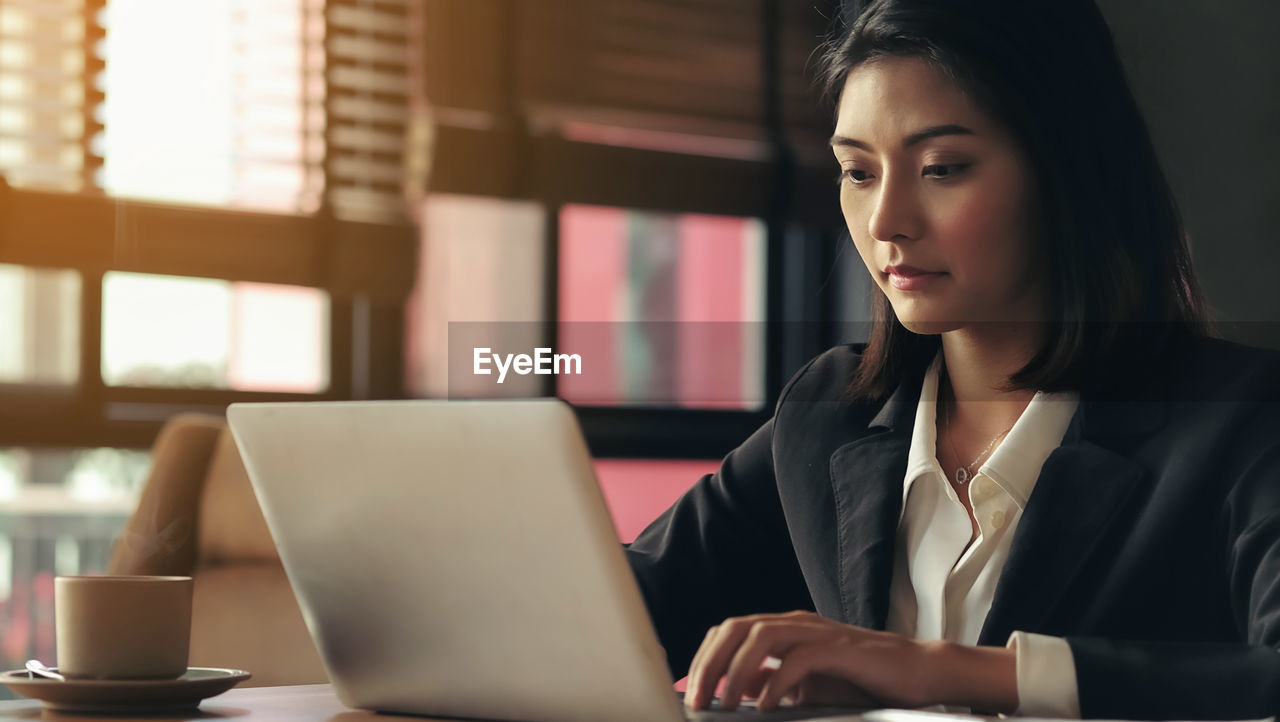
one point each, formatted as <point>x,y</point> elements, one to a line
<point>1151,541</point>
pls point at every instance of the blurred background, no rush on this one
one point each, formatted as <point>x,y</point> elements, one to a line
<point>211,201</point>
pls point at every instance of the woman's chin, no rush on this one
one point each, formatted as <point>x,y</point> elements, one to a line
<point>928,326</point>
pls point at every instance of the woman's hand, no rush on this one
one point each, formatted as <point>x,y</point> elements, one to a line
<point>825,662</point>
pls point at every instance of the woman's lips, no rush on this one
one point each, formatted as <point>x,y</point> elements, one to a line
<point>905,278</point>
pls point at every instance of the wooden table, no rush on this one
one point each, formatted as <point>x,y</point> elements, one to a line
<point>307,703</point>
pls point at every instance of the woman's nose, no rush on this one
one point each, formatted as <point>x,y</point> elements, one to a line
<point>896,214</point>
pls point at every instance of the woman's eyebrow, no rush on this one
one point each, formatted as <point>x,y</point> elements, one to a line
<point>910,140</point>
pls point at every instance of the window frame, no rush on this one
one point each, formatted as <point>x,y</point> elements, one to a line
<point>366,268</point>
<point>487,139</point>
<point>489,145</point>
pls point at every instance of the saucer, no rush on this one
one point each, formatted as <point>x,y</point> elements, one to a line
<point>125,695</point>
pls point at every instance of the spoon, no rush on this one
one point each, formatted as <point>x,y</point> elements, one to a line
<point>35,666</point>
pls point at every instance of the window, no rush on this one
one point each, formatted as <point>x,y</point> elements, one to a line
<point>666,310</point>
<point>40,315</point>
<point>228,224</point>
<point>201,202</point>
<point>480,285</point>
<point>204,333</point>
<point>248,132</point>
<point>677,153</point>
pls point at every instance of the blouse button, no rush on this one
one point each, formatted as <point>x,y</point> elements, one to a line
<point>984,489</point>
<point>997,518</point>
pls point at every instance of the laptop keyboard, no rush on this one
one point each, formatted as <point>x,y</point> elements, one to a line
<point>747,710</point>
<point>778,715</point>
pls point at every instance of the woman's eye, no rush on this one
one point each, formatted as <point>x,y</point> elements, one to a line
<point>945,170</point>
<point>854,175</point>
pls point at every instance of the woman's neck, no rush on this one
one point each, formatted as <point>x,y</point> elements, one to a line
<point>977,363</point>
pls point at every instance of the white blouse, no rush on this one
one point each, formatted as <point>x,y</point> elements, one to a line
<point>940,590</point>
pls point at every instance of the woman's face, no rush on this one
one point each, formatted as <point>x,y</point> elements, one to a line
<point>931,182</point>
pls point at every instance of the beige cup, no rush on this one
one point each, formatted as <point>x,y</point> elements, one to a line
<point>122,627</point>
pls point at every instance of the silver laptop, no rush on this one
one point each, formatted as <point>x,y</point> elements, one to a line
<point>457,559</point>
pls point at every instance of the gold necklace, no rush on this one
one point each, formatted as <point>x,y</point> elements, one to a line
<point>965,473</point>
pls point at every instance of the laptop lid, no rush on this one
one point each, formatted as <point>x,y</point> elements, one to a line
<point>455,558</point>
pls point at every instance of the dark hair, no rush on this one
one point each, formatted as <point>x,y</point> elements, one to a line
<point>1122,282</point>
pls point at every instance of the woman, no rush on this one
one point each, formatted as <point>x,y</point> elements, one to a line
<point>1041,488</point>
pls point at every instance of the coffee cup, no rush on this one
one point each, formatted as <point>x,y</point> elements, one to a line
<point>122,627</point>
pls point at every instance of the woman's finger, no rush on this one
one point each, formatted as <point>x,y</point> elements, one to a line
<point>714,659</point>
<point>772,637</point>
<point>746,662</point>
<point>702,683</point>
<point>692,685</point>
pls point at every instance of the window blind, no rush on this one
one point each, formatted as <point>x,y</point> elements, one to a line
<point>370,61</point>
<point>691,64</point>
<point>276,105</point>
<point>50,66</point>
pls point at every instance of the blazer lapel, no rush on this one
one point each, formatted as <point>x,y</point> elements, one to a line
<point>866,479</point>
<point>1080,496</point>
<point>1081,490</point>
